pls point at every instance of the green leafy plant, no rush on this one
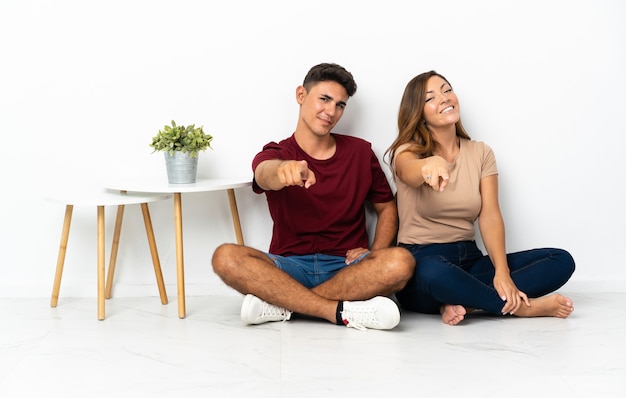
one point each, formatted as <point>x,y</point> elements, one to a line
<point>180,138</point>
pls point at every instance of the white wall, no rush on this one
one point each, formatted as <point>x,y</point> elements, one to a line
<point>85,85</point>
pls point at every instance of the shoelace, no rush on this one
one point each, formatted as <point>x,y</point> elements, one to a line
<point>356,318</point>
<point>271,311</point>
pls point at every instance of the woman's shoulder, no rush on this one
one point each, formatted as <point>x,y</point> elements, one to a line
<point>480,152</point>
<point>404,147</point>
<point>475,146</point>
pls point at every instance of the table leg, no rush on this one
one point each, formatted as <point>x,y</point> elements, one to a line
<point>100,262</point>
<point>180,263</point>
<point>65,233</point>
<point>235,215</point>
<point>154,252</point>
<point>114,250</point>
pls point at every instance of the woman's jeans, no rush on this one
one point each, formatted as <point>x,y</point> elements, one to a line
<point>458,273</point>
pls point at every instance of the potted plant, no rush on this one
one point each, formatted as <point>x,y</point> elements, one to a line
<point>181,145</point>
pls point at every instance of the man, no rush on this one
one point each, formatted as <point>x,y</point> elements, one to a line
<point>317,184</point>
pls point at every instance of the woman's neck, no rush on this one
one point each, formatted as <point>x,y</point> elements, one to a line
<point>447,144</point>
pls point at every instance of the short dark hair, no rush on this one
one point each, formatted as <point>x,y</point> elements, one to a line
<point>330,72</point>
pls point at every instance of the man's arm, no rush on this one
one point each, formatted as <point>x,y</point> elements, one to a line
<point>274,175</point>
<point>386,225</point>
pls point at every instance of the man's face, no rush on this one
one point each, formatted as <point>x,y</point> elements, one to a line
<point>322,106</point>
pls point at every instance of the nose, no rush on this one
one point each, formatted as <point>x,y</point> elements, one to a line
<point>330,108</point>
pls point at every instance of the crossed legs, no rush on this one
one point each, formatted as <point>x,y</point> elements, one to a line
<point>250,271</point>
<point>452,279</point>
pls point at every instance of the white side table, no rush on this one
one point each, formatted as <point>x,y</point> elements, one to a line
<point>100,198</point>
<point>201,185</point>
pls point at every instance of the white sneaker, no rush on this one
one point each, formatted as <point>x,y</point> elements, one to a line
<point>255,311</point>
<point>376,313</point>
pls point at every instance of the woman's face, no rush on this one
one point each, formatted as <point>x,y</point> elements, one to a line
<point>442,106</point>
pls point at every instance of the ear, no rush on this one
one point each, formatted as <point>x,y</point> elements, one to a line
<point>300,94</point>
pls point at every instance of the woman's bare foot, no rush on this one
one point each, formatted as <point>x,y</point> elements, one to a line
<point>554,305</point>
<point>452,314</point>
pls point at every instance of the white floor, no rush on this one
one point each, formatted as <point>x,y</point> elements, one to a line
<point>143,349</point>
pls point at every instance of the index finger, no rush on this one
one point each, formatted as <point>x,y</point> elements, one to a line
<point>306,175</point>
<point>444,182</point>
<point>437,181</point>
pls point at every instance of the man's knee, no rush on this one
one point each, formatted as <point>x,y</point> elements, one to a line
<point>396,266</point>
<point>404,261</point>
<point>223,257</point>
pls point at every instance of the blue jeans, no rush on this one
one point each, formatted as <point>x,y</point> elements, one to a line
<point>311,269</point>
<point>459,273</point>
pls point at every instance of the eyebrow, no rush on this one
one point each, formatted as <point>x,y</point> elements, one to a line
<point>331,98</point>
<point>442,86</point>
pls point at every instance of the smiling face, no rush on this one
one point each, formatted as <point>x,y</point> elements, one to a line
<point>442,105</point>
<point>321,106</point>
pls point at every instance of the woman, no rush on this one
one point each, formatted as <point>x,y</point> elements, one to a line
<point>445,182</point>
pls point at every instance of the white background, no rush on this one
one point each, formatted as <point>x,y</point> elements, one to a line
<point>85,85</point>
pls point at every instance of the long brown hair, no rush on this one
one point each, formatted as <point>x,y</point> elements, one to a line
<point>411,123</point>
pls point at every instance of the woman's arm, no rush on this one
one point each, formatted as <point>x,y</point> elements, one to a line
<point>414,171</point>
<point>491,227</point>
